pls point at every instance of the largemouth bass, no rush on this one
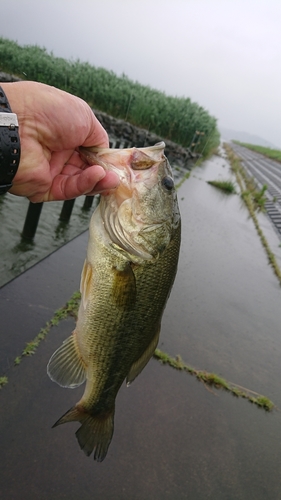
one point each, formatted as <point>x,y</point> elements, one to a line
<point>131,263</point>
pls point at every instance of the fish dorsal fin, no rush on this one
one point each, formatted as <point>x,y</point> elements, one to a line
<point>66,366</point>
<point>85,283</point>
<point>139,365</point>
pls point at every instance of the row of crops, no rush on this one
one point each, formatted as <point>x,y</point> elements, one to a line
<point>172,118</point>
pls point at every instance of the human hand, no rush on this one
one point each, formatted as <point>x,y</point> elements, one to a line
<point>52,125</point>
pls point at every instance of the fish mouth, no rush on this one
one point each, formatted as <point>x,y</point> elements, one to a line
<point>128,164</point>
<point>125,223</point>
<point>138,158</point>
<point>120,159</point>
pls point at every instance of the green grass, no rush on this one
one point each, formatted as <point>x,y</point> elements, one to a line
<point>273,154</point>
<point>3,381</point>
<point>70,309</point>
<point>174,118</point>
<point>226,186</point>
<point>216,381</point>
<point>209,379</point>
<point>258,197</point>
<point>183,179</point>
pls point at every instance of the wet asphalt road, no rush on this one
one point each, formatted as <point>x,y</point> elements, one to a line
<point>268,172</point>
<point>174,439</point>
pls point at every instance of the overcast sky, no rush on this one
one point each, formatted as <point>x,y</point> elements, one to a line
<point>223,54</point>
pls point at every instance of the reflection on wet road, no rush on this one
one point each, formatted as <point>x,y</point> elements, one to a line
<point>174,439</point>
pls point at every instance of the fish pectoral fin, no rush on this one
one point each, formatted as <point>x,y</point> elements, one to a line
<point>66,366</point>
<point>95,433</point>
<point>124,289</point>
<point>139,365</point>
<point>85,283</point>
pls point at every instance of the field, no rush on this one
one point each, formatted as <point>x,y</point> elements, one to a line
<point>274,154</point>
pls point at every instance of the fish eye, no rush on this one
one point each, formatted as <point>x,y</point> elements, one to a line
<point>168,183</point>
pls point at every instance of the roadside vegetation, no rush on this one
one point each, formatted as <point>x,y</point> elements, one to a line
<point>70,309</point>
<point>273,154</point>
<point>175,118</point>
<point>211,379</point>
<point>258,196</point>
<point>226,186</point>
<point>3,381</point>
<point>208,379</point>
<point>254,200</point>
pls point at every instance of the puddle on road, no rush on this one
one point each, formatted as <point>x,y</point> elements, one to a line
<point>231,308</point>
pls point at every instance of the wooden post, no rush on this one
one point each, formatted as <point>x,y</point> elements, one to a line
<point>31,220</point>
<point>88,202</point>
<point>66,210</point>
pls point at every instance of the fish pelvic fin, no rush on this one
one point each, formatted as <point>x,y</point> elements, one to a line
<point>95,433</point>
<point>142,361</point>
<point>66,367</point>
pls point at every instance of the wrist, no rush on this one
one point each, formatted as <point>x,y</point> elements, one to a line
<point>9,143</point>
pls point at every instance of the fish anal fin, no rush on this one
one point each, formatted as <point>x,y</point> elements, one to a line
<point>95,433</point>
<point>66,367</point>
<point>85,283</point>
<point>139,365</point>
<point>124,287</point>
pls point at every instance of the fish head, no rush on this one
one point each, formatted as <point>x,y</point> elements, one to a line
<point>142,213</point>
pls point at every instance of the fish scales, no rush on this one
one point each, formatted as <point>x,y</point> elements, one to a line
<point>109,321</point>
<point>125,284</point>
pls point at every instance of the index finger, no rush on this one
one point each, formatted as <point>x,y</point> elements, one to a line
<point>97,134</point>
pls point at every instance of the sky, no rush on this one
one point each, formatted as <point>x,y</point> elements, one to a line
<point>223,54</point>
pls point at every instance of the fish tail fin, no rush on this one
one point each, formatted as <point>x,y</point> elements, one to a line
<point>95,433</point>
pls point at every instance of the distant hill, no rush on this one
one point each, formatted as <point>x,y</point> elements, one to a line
<point>229,134</point>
